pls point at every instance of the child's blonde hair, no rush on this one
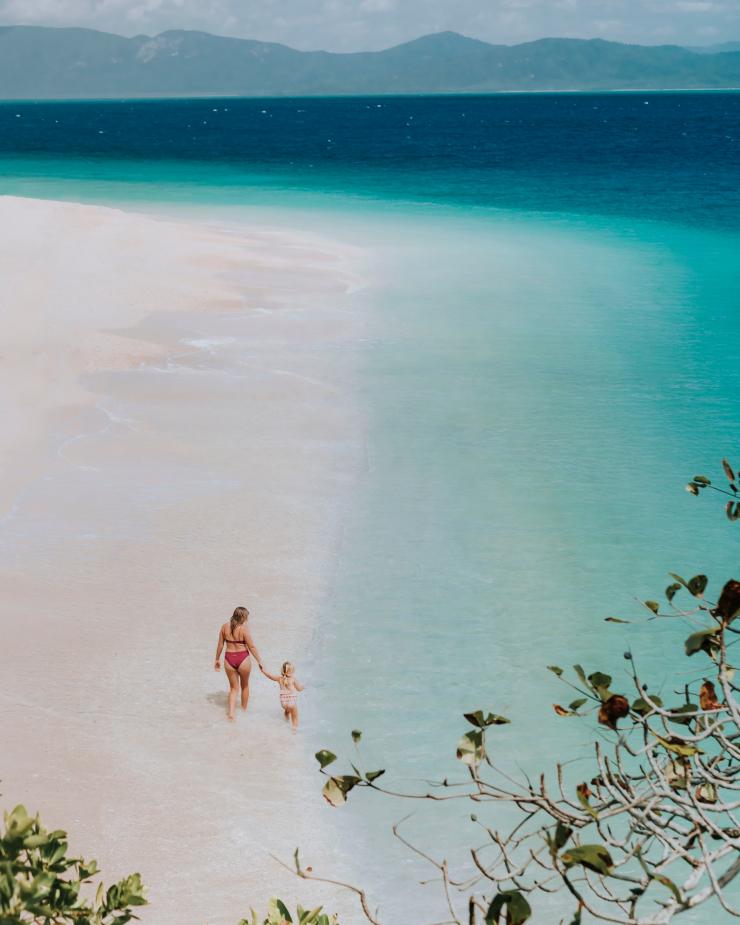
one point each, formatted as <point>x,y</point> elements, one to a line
<point>286,666</point>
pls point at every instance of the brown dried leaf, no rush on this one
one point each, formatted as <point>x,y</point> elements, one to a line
<point>728,604</point>
<point>613,709</point>
<point>708,697</point>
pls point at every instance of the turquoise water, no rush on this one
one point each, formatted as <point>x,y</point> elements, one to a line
<point>551,353</point>
<point>539,392</point>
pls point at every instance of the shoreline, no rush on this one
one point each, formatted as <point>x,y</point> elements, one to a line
<point>195,455</point>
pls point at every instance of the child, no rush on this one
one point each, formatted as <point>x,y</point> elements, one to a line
<point>289,690</point>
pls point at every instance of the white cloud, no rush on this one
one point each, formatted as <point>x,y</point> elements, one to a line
<point>377,6</point>
<point>697,6</point>
<point>606,26</point>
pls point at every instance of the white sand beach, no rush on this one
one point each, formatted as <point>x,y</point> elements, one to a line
<point>179,436</point>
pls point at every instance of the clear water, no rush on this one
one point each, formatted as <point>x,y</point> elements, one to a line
<point>552,351</point>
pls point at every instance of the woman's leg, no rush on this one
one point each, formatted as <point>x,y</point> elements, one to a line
<point>244,670</point>
<point>233,676</point>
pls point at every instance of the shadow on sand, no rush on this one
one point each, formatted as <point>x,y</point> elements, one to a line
<point>219,699</point>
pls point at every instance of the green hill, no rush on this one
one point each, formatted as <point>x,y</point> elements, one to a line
<point>42,63</point>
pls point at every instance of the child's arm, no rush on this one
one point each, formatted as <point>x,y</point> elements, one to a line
<point>272,677</point>
<point>298,686</point>
<point>219,647</point>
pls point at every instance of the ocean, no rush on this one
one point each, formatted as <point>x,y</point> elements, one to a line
<point>551,353</point>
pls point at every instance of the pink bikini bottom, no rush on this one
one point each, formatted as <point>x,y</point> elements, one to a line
<point>235,658</point>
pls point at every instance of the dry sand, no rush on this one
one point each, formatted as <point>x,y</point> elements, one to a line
<point>178,436</point>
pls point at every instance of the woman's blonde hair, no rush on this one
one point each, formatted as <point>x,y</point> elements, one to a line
<point>286,666</point>
<point>238,617</point>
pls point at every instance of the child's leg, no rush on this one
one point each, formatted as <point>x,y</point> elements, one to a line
<point>286,714</point>
<point>294,718</point>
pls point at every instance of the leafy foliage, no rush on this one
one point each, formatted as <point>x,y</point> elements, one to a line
<point>40,883</point>
<point>279,914</point>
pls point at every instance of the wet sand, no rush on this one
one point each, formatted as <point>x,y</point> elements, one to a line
<point>179,436</point>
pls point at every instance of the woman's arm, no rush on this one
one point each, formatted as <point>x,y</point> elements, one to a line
<point>219,647</point>
<point>252,647</point>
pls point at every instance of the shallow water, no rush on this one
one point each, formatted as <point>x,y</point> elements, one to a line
<point>551,352</point>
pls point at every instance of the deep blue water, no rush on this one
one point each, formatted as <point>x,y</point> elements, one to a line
<point>653,155</point>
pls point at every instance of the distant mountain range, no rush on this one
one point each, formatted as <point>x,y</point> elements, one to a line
<point>43,63</point>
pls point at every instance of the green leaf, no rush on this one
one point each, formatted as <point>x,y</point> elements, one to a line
<point>667,882</point>
<point>85,870</point>
<point>660,878</point>
<point>470,748</point>
<point>577,704</point>
<point>555,670</point>
<point>581,674</point>
<point>325,758</point>
<point>701,480</point>
<point>643,706</point>
<point>678,746</point>
<point>670,591</point>
<point>335,790</point>
<point>482,721</point>
<point>652,605</point>
<point>728,471</point>
<point>18,823</point>
<point>518,910</point>
<point>36,841</point>
<point>684,713</point>
<point>697,585</point>
<point>356,736</point>
<point>374,775</point>
<point>600,684</point>
<point>583,793</point>
<point>676,774</point>
<point>282,908</point>
<point>681,581</point>
<point>615,620</point>
<point>593,857</point>
<point>562,834</point>
<point>702,641</point>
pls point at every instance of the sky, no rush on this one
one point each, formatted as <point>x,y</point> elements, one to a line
<point>360,25</point>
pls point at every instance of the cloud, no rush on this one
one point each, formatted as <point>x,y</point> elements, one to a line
<point>377,6</point>
<point>606,26</point>
<point>698,6</point>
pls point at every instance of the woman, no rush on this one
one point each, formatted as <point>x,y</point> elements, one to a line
<point>239,643</point>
